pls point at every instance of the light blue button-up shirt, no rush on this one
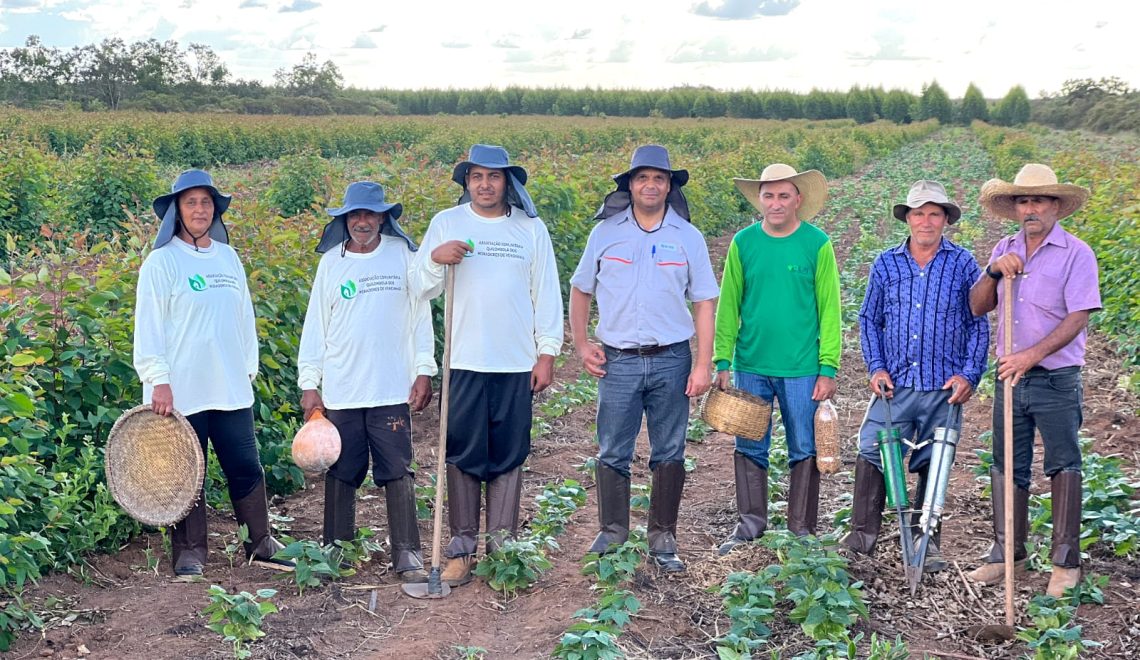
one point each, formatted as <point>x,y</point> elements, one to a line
<point>644,280</point>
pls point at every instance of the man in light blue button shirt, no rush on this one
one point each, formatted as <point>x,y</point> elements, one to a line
<point>644,262</point>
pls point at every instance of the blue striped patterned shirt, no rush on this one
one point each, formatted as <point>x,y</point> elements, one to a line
<point>916,324</point>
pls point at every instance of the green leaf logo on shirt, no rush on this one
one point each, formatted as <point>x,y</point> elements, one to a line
<point>198,283</point>
<point>348,290</point>
<point>470,244</point>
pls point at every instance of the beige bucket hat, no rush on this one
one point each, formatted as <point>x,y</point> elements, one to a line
<point>811,184</point>
<point>925,191</point>
<point>1034,179</point>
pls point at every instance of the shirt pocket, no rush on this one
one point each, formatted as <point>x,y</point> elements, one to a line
<point>1044,292</point>
<point>671,271</point>
<point>616,270</point>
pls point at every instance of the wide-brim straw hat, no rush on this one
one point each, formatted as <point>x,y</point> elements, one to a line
<point>925,191</point>
<point>811,184</point>
<point>1034,179</point>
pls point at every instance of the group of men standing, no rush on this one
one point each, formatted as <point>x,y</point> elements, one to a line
<point>774,323</point>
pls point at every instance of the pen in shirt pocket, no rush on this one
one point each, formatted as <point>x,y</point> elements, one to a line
<point>653,252</point>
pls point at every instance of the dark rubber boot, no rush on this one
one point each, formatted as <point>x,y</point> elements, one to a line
<point>188,546</point>
<point>664,505</point>
<point>751,503</point>
<point>803,498</point>
<point>867,507</point>
<point>613,509</point>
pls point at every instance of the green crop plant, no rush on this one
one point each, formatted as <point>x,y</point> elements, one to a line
<point>618,565</point>
<point>1053,635</point>
<point>313,563</point>
<point>515,565</point>
<point>238,617</point>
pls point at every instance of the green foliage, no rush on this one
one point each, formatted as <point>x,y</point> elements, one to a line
<point>697,430</point>
<point>589,641</point>
<point>816,581</point>
<point>313,562</point>
<point>470,652</point>
<point>1013,108</point>
<point>618,565</point>
<point>639,500</point>
<point>973,106</point>
<point>107,186</point>
<point>555,506</point>
<point>26,194</point>
<point>425,499</point>
<point>238,617</point>
<point>897,105</point>
<point>515,565</point>
<point>934,103</point>
<point>301,182</point>
<point>749,599</point>
<point>1053,635</point>
<point>613,608</point>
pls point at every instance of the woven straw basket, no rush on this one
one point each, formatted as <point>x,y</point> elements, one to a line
<point>154,466</point>
<point>736,412</point>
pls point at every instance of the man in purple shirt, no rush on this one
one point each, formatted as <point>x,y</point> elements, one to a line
<point>923,348</point>
<point>1054,289</point>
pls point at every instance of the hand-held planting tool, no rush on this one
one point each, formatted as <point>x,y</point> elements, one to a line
<point>942,453</point>
<point>1007,415</point>
<point>435,587</point>
<point>890,452</point>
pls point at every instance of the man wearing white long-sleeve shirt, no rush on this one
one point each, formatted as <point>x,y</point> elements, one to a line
<point>507,330</point>
<point>367,343</point>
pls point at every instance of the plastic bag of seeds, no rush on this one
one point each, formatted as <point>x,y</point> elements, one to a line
<point>827,438</point>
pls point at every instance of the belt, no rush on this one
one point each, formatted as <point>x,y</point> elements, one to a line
<point>643,351</point>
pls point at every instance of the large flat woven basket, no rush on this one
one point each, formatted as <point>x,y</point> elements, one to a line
<point>154,466</point>
<point>736,412</point>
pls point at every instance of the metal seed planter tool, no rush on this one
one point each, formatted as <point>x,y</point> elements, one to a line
<point>943,448</point>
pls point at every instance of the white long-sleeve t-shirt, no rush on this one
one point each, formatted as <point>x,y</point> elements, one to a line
<point>508,307</point>
<point>194,327</point>
<point>366,337</point>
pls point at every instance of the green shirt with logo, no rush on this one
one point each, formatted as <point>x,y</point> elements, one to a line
<point>779,309</point>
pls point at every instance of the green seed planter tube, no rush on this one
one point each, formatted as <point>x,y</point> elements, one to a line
<point>890,451</point>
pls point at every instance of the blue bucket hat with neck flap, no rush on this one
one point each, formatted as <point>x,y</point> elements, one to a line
<point>495,158</point>
<point>166,208</point>
<point>368,196</point>
<point>656,157</point>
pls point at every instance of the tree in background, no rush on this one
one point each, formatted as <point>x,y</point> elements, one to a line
<point>309,79</point>
<point>860,106</point>
<point>973,106</point>
<point>1013,109</point>
<point>897,105</point>
<point>935,104</point>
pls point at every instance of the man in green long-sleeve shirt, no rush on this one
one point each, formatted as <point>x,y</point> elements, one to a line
<point>777,325</point>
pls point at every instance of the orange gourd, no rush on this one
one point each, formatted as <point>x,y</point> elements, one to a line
<point>317,445</point>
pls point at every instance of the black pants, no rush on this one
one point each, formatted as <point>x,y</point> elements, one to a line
<point>1048,400</point>
<point>385,432</point>
<point>234,444</point>
<point>489,419</point>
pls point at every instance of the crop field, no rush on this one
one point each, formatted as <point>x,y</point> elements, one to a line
<point>80,578</point>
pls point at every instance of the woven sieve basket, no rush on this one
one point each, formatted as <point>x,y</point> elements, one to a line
<point>736,412</point>
<point>154,466</point>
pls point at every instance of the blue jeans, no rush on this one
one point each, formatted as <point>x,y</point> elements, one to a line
<point>915,414</point>
<point>653,386</point>
<point>796,407</point>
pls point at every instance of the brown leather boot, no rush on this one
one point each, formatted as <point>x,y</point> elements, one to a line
<point>503,494</point>
<point>463,494</point>
<point>253,512</point>
<point>993,571</point>
<point>340,511</point>
<point>664,505</point>
<point>613,509</point>
<point>803,498</point>
<point>1066,554</point>
<point>934,561</point>
<point>867,507</point>
<point>403,532</point>
<point>188,546</point>
<point>751,503</point>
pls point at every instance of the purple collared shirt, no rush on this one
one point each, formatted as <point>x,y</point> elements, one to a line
<point>1060,278</point>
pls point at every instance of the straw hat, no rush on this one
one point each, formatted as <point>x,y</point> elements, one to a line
<point>811,184</point>
<point>1034,179</point>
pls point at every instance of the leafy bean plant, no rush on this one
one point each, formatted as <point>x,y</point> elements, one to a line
<point>846,648</point>
<point>313,562</point>
<point>595,635</point>
<point>517,564</point>
<point>749,599</point>
<point>1053,636</point>
<point>238,617</point>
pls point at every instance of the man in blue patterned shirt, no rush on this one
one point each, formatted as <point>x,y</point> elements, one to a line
<point>923,347</point>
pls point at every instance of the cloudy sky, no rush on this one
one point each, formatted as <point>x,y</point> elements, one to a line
<point>728,44</point>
